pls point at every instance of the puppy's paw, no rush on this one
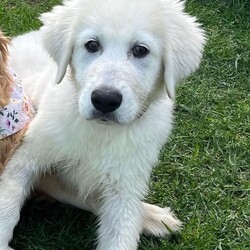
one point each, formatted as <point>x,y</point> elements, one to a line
<point>159,222</point>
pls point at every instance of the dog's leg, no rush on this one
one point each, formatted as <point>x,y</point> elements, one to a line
<point>121,220</point>
<point>157,221</point>
<point>15,184</point>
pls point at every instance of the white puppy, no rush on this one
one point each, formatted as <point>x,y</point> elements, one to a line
<point>101,128</point>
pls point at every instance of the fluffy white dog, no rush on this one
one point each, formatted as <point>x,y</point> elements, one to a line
<point>117,62</point>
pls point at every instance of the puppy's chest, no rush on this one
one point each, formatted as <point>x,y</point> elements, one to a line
<point>107,163</point>
<point>98,156</point>
<point>94,172</point>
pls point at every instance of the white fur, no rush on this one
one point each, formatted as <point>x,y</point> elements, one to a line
<point>102,167</point>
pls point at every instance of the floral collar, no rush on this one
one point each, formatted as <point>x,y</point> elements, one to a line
<point>18,112</point>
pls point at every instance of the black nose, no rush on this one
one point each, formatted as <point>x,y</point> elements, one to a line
<point>106,100</point>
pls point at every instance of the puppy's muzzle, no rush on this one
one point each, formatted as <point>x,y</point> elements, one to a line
<point>106,100</point>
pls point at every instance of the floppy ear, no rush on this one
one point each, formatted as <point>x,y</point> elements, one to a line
<point>184,45</point>
<point>57,35</point>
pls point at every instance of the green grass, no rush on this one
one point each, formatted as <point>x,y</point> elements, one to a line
<point>203,173</point>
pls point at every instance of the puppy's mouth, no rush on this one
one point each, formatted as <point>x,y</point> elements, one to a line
<point>111,118</point>
<point>105,118</point>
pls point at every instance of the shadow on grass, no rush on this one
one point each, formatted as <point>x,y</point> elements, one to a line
<point>47,224</point>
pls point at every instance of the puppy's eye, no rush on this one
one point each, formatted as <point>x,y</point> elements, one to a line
<point>92,46</point>
<point>140,51</point>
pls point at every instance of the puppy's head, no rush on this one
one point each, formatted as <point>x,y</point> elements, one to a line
<point>121,53</point>
<point>5,77</point>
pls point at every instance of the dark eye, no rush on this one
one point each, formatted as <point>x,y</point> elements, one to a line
<point>140,51</point>
<point>92,46</point>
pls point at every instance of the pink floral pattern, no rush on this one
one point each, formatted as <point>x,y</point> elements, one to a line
<point>19,111</point>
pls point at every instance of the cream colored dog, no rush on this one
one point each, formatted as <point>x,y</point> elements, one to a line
<point>105,103</point>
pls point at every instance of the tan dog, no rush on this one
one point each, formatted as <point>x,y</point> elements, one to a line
<point>15,108</point>
<point>5,77</point>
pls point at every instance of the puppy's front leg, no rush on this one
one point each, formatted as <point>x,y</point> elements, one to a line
<point>15,184</point>
<point>154,218</point>
<point>120,221</point>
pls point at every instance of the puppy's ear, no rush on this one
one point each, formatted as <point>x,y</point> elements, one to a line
<point>184,45</point>
<point>57,35</point>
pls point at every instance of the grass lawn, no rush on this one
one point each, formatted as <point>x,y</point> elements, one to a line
<point>204,169</point>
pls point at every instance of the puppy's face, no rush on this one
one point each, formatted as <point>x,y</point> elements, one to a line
<point>121,52</point>
<point>117,68</point>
